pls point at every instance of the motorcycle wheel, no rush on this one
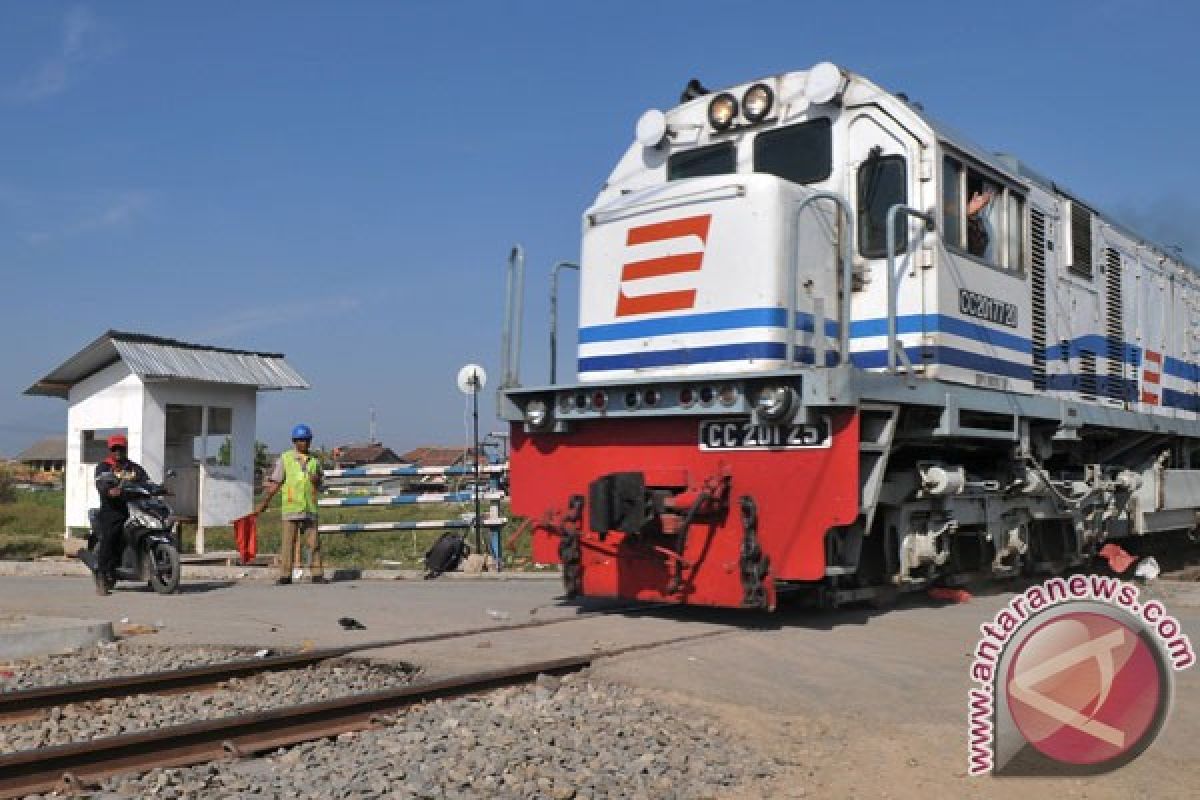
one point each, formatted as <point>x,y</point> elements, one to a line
<point>162,561</point>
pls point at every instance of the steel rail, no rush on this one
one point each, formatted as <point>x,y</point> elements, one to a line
<point>21,703</point>
<point>24,703</point>
<point>82,764</point>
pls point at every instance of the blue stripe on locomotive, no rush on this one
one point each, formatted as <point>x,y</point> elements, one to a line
<point>735,319</point>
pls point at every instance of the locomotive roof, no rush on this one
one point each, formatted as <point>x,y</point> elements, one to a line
<point>1009,166</point>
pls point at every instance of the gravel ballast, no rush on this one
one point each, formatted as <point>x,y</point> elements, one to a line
<point>111,660</point>
<point>560,739</point>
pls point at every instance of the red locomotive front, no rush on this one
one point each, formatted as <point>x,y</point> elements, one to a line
<point>686,509</point>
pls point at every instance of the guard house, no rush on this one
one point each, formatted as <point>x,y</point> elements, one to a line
<point>185,407</point>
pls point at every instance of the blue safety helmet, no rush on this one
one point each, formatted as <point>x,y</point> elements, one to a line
<point>302,431</point>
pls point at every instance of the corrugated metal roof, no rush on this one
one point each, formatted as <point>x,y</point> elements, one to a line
<point>247,369</point>
<point>159,358</point>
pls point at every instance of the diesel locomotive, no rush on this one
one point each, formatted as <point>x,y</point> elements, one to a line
<point>826,345</point>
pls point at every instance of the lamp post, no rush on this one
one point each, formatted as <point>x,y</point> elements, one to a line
<point>471,380</point>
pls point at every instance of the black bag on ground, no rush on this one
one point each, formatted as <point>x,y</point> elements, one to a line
<point>445,554</point>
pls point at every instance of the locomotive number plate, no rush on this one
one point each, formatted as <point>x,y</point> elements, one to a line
<point>745,435</point>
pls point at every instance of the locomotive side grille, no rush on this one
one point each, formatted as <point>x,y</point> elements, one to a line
<point>1087,377</point>
<point>1081,241</point>
<point>1038,283</point>
<point>1114,339</point>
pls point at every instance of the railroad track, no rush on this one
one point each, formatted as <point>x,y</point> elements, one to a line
<point>30,703</point>
<point>81,765</point>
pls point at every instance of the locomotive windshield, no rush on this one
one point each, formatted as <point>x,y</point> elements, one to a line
<point>800,153</point>
<point>717,159</point>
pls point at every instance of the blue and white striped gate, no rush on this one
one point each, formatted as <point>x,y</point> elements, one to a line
<point>493,522</point>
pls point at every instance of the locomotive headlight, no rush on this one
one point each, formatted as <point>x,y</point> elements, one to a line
<point>536,413</point>
<point>774,402</point>
<point>757,101</point>
<point>722,111</point>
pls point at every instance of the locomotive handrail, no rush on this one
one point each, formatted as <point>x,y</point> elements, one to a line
<point>514,298</point>
<point>561,265</point>
<point>847,288</point>
<point>893,345</point>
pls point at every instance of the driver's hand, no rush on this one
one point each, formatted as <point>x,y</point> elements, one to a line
<point>114,492</point>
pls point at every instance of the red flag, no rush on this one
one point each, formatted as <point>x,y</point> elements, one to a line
<point>245,532</point>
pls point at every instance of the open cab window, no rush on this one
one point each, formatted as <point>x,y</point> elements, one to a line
<point>982,216</point>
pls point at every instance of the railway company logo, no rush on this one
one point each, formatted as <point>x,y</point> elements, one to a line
<point>1151,377</point>
<point>673,234</point>
<point>1075,678</point>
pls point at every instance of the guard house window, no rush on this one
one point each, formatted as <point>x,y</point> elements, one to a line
<point>993,233</point>
<point>93,444</point>
<point>799,153</point>
<point>1081,241</point>
<point>717,159</point>
<point>882,183</point>
<point>190,439</point>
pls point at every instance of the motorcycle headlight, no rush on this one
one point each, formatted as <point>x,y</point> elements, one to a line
<point>757,101</point>
<point>722,111</point>
<point>536,413</point>
<point>774,402</point>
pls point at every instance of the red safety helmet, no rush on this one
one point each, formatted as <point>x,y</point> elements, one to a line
<point>118,440</point>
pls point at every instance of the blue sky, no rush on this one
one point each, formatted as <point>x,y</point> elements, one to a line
<point>341,181</point>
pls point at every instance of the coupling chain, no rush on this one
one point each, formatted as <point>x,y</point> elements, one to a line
<point>569,551</point>
<point>753,562</point>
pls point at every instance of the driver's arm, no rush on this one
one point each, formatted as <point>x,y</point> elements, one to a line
<point>106,481</point>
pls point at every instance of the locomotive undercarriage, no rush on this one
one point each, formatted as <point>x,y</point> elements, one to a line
<point>951,510</point>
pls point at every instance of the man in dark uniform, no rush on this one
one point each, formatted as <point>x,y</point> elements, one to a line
<point>110,474</point>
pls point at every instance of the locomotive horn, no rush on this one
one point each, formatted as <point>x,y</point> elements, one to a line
<point>693,90</point>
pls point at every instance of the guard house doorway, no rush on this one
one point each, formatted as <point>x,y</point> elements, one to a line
<point>198,445</point>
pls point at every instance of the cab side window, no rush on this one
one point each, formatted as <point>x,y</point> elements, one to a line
<point>882,183</point>
<point>982,216</point>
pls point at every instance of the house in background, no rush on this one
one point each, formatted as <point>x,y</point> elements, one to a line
<point>178,403</point>
<point>48,455</point>
<point>437,456</point>
<point>362,455</point>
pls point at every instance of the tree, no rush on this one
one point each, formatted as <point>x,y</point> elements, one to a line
<point>262,458</point>
<point>8,492</point>
<point>225,453</point>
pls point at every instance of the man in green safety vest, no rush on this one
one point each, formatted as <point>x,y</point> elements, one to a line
<point>299,475</point>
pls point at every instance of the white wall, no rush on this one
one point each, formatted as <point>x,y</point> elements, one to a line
<point>228,491</point>
<point>111,398</point>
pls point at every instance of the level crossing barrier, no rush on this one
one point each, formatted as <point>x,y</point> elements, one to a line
<point>344,479</point>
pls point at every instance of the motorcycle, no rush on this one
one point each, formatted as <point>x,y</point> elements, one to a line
<point>148,543</point>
